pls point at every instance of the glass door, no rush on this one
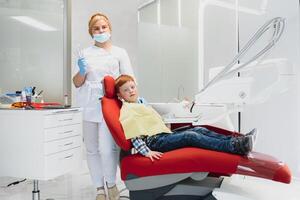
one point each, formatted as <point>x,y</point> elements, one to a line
<point>33,50</point>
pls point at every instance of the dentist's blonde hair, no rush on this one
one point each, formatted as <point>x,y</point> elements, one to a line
<point>96,17</point>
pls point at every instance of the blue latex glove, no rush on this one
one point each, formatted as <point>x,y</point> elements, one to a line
<point>82,64</point>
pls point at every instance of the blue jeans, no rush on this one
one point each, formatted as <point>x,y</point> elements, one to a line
<point>193,137</point>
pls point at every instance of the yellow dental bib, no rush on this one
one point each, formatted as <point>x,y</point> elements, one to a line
<point>139,119</point>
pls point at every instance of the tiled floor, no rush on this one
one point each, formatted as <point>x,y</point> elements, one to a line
<point>77,186</point>
<point>251,188</point>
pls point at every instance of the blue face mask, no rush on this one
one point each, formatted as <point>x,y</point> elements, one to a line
<point>101,38</point>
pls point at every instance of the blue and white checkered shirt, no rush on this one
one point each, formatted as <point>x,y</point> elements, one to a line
<point>139,145</point>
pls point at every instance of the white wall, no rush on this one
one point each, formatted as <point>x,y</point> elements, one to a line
<point>168,48</point>
<point>175,53</point>
<point>124,25</point>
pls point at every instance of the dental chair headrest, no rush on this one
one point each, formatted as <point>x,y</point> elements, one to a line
<point>109,87</point>
<point>111,113</point>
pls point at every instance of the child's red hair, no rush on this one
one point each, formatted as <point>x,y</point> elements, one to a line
<point>121,80</point>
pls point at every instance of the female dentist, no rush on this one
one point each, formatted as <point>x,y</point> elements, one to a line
<point>95,62</point>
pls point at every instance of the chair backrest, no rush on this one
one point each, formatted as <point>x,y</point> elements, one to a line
<point>111,112</point>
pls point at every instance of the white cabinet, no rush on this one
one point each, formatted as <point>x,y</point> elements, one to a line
<point>40,144</point>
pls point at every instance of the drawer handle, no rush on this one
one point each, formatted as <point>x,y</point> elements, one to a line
<point>66,132</point>
<point>68,119</point>
<point>67,144</point>
<point>70,156</point>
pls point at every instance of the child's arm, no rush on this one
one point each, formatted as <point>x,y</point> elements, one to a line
<point>142,148</point>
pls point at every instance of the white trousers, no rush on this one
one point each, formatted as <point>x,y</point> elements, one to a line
<point>102,153</point>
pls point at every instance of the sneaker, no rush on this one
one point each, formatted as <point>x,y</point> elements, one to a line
<point>248,144</point>
<point>254,133</point>
<point>101,195</point>
<point>243,145</point>
<point>113,193</point>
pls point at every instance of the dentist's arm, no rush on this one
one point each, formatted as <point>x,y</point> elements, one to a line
<point>79,78</point>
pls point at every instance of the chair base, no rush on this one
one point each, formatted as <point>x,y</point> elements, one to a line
<point>187,189</point>
<point>178,197</point>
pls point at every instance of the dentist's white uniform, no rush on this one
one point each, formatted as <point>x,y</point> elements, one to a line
<point>102,152</point>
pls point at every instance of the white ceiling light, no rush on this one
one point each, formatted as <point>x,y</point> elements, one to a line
<point>34,23</point>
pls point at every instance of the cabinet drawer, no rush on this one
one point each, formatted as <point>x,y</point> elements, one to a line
<point>62,145</point>
<point>62,119</point>
<point>63,162</point>
<point>62,132</point>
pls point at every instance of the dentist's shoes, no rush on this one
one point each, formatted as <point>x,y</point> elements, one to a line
<point>113,193</point>
<point>101,195</point>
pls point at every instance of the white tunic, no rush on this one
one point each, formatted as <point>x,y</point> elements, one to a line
<point>100,63</point>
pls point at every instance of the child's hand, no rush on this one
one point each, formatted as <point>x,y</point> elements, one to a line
<point>154,155</point>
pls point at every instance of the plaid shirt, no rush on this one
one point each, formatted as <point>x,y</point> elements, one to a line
<point>140,145</point>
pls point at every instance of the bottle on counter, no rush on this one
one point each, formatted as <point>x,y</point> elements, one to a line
<point>23,96</point>
<point>66,100</point>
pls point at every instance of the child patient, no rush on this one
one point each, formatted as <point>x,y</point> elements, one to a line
<point>153,145</point>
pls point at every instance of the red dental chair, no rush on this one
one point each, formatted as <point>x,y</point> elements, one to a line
<point>183,174</point>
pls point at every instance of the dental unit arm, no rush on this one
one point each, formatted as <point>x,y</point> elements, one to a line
<point>226,93</point>
<point>256,84</point>
<point>278,24</point>
<point>238,89</point>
